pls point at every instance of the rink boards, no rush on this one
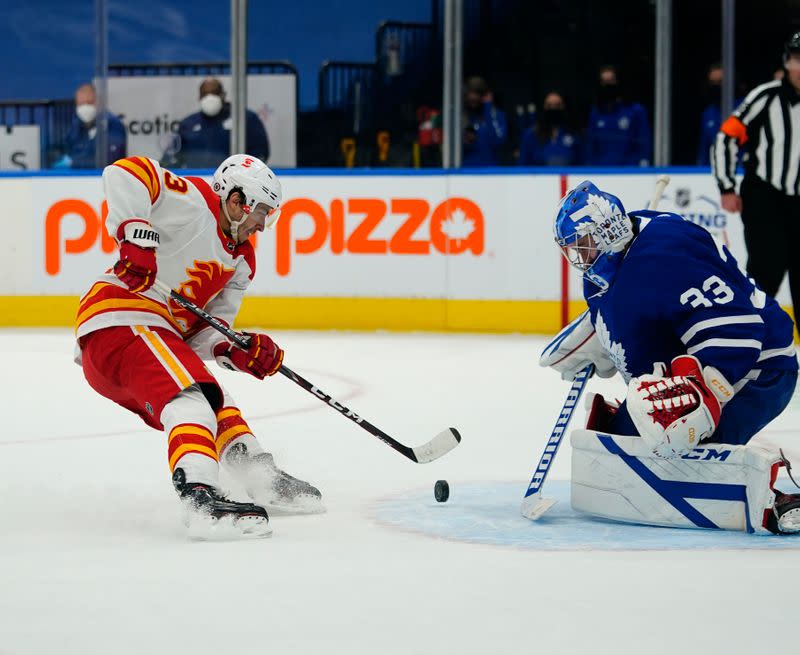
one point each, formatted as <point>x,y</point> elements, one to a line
<point>401,251</point>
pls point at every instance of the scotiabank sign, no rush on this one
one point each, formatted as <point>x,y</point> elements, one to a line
<point>450,227</point>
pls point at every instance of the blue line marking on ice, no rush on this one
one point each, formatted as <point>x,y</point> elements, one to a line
<point>488,513</point>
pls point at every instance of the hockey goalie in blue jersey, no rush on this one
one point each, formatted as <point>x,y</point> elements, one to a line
<point>708,359</point>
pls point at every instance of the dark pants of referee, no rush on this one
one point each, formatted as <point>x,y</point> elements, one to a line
<point>771,222</point>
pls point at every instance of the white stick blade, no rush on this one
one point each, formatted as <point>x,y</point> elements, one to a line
<point>534,506</point>
<point>441,444</point>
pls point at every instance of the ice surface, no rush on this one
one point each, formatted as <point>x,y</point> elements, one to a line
<point>93,556</point>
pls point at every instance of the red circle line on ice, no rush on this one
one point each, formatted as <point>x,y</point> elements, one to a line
<point>355,391</point>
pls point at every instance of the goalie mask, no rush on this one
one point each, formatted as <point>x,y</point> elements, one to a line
<point>256,182</point>
<point>592,230</point>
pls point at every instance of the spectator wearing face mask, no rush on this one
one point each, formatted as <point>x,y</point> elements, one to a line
<point>711,118</point>
<point>204,138</point>
<point>549,142</point>
<point>485,129</point>
<point>618,133</point>
<point>80,143</point>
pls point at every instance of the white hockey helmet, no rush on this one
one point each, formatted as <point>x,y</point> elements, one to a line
<point>257,183</point>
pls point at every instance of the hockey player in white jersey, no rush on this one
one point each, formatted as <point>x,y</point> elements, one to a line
<point>708,359</point>
<point>146,353</point>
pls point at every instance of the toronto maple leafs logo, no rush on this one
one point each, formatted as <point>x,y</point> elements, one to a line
<point>608,227</point>
<point>598,208</point>
<point>614,349</point>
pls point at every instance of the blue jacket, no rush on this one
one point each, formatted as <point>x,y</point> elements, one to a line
<point>79,144</point>
<point>490,132</point>
<point>710,120</point>
<point>204,141</point>
<point>618,136</point>
<point>562,150</point>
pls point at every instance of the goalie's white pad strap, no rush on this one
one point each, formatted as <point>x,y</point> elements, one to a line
<point>715,486</point>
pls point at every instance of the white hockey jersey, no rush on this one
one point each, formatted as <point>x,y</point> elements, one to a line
<point>194,256</point>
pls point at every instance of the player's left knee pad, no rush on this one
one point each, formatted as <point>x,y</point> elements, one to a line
<point>714,486</point>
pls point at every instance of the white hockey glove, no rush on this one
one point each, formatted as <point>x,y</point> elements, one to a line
<point>674,412</point>
<point>574,348</point>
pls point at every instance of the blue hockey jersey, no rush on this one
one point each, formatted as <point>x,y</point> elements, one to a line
<point>618,136</point>
<point>679,291</point>
<point>562,150</point>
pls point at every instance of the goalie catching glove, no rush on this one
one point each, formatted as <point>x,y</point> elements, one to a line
<point>674,412</point>
<point>261,359</point>
<point>574,348</point>
<point>136,266</point>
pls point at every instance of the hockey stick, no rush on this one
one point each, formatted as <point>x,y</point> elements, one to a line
<point>661,184</point>
<point>441,444</point>
<point>533,505</point>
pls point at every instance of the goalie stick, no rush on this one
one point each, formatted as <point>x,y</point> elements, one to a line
<point>533,504</point>
<point>440,445</point>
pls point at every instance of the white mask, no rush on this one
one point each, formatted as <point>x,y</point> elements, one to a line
<point>211,104</point>
<point>87,113</point>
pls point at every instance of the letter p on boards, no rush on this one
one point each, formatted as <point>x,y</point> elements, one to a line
<point>93,230</point>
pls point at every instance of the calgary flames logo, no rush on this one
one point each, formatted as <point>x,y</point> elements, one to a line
<point>205,281</point>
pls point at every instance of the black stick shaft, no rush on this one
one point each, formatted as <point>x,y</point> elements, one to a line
<point>243,342</point>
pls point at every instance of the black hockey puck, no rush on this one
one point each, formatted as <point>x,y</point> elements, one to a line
<point>441,491</point>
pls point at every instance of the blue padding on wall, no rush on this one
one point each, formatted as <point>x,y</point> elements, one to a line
<point>394,172</point>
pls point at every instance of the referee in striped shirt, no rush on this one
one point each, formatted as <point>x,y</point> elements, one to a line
<point>767,124</point>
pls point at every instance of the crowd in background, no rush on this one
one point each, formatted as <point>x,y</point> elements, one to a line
<point>616,131</point>
<point>201,141</point>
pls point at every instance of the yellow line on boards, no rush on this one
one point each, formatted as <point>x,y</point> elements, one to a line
<point>397,314</point>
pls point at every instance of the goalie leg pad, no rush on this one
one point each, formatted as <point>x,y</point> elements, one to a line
<point>717,487</point>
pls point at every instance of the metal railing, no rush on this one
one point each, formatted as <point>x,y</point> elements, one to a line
<point>358,90</point>
<point>54,118</point>
<point>348,87</point>
<point>200,68</point>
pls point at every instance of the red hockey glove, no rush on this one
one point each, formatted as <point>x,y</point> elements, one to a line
<point>137,255</point>
<point>674,413</point>
<point>261,359</point>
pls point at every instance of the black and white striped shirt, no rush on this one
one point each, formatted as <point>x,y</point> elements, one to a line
<point>768,122</point>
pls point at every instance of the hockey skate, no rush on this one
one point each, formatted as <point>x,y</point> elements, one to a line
<point>212,516</point>
<point>786,514</point>
<point>270,487</point>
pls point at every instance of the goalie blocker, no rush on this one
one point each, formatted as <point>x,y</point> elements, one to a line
<point>716,486</point>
